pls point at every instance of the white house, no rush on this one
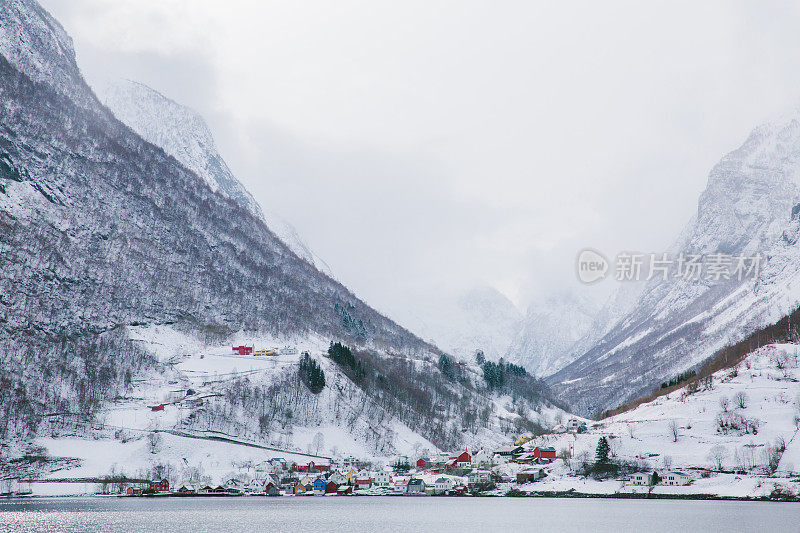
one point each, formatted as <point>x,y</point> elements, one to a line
<point>382,479</point>
<point>641,478</point>
<point>443,485</point>
<point>572,424</point>
<point>481,459</point>
<point>338,478</point>
<point>675,477</point>
<point>479,476</point>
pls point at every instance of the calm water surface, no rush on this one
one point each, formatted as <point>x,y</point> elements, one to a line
<point>290,514</point>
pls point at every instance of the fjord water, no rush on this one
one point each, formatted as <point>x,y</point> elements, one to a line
<point>230,515</point>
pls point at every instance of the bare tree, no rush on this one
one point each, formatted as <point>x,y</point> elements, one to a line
<point>740,399</point>
<point>673,430</point>
<point>724,402</point>
<point>566,455</point>
<point>716,455</point>
<point>667,462</point>
<point>318,442</point>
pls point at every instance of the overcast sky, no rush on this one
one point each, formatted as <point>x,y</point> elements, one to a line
<point>425,145</point>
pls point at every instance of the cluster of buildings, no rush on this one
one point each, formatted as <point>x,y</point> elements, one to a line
<point>250,350</point>
<point>462,472</point>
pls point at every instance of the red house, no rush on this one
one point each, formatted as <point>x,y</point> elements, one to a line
<point>243,350</point>
<point>160,486</point>
<point>463,460</point>
<point>159,407</point>
<point>311,467</point>
<point>544,455</point>
<point>364,483</point>
<point>423,462</point>
<point>331,488</point>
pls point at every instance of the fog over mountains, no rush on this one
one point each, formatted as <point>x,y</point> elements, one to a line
<point>748,207</point>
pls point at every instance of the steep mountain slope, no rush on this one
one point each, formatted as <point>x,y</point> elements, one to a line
<point>103,234</point>
<point>481,318</point>
<point>183,134</point>
<point>746,208</point>
<point>552,327</point>
<point>101,229</point>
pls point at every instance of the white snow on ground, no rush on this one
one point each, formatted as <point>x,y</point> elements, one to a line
<point>128,426</point>
<point>768,378</point>
<point>643,435</point>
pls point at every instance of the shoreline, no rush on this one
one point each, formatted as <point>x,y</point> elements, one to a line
<point>536,494</point>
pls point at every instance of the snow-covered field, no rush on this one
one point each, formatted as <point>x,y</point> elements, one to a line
<point>644,436</point>
<point>759,402</point>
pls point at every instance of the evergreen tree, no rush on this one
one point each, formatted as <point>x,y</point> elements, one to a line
<point>447,366</point>
<point>344,357</point>
<point>602,451</point>
<point>311,373</point>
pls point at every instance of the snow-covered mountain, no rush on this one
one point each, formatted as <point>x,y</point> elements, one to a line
<point>747,207</point>
<point>481,318</point>
<point>552,327</point>
<point>110,248</point>
<point>36,44</point>
<point>183,133</point>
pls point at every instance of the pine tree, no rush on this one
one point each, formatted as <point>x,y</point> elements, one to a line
<point>602,451</point>
<point>311,373</point>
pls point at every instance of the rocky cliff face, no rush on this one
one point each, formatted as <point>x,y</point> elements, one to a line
<point>183,134</point>
<point>674,324</point>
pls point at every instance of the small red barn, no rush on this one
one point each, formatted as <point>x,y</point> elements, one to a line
<point>159,407</point>
<point>423,462</point>
<point>331,488</point>
<point>243,350</point>
<point>544,455</point>
<point>160,486</point>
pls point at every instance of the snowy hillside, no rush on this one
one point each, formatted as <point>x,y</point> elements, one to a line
<point>546,342</point>
<point>223,413</point>
<point>740,426</point>
<point>183,134</point>
<point>746,208</point>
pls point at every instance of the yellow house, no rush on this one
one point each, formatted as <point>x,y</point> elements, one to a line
<point>522,439</point>
<point>299,489</point>
<point>267,351</point>
<point>351,476</point>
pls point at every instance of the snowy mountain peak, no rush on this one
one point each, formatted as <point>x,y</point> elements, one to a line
<point>37,45</point>
<point>182,133</point>
<point>178,130</point>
